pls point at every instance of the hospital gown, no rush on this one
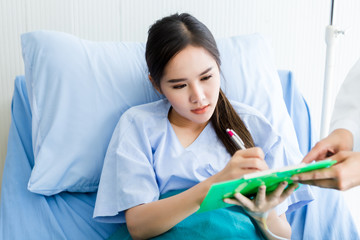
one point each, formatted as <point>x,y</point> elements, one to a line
<point>146,160</point>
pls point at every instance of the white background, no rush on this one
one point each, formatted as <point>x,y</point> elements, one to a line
<point>296,29</point>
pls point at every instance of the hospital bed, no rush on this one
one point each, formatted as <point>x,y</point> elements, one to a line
<point>31,211</point>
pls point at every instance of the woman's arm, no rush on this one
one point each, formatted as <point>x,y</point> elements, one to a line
<point>271,225</point>
<point>152,219</point>
<point>275,227</point>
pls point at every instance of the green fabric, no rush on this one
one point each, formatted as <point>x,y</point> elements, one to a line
<point>226,223</point>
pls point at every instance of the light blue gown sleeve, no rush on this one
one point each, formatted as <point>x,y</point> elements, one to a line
<point>129,154</point>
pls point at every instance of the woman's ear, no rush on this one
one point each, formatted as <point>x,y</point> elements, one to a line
<point>154,84</point>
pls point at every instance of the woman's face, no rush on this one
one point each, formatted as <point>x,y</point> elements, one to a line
<point>191,83</point>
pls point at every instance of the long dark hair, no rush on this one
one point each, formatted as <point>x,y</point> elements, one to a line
<point>170,35</point>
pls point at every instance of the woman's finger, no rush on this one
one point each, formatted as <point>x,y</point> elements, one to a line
<point>279,190</point>
<point>253,163</point>
<point>260,196</point>
<point>244,201</point>
<point>232,201</point>
<point>251,152</point>
<point>288,191</point>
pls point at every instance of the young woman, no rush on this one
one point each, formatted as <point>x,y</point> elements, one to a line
<point>180,142</point>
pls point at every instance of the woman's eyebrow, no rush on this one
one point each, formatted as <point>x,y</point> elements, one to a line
<point>176,80</point>
<point>207,70</point>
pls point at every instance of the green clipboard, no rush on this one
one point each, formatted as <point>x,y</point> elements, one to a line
<point>248,185</point>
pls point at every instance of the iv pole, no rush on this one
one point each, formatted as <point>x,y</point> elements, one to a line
<point>331,36</point>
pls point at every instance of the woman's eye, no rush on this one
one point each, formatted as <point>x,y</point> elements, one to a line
<point>206,77</point>
<point>179,86</point>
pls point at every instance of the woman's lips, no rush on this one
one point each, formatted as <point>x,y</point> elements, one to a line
<point>200,110</point>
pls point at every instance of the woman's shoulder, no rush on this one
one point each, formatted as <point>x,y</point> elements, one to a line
<point>255,121</point>
<point>152,110</point>
<point>142,117</point>
<point>260,128</point>
<point>247,111</point>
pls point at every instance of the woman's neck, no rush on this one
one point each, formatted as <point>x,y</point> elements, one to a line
<point>186,131</point>
<point>180,122</point>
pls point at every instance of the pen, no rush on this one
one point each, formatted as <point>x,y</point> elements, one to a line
<point>236,139</point>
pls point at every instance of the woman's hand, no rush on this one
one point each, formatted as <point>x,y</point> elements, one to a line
<point>263,202</point>
<point>248,161</point>
<point>260,209</point>
<point>242,162</point>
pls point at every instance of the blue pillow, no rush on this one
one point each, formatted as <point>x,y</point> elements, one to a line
<point>78,89</point>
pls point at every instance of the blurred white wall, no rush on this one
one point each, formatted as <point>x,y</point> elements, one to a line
<point>296,29</point>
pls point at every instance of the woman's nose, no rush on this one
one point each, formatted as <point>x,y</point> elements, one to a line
<point>197,94</point>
